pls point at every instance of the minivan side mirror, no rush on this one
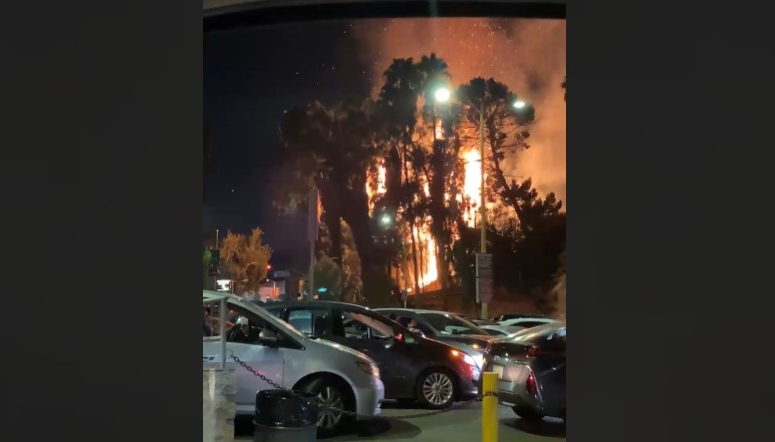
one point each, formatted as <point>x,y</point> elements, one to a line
<point>267,337</point>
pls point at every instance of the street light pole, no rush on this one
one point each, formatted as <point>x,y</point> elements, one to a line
<point>482,209</point>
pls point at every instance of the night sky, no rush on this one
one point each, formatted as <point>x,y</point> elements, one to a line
<point>252,76</point>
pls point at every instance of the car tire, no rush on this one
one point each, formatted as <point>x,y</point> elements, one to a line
<point>337,393</point>
<point>527,414</point>
<point>436,388</point>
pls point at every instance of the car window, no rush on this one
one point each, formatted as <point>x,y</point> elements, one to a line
<point>276,311</point>
<point>242,326</point>
<point>360,326</point>
<point>311,321</point>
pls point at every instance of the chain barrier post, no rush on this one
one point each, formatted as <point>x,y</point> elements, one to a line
<point>222,330</point>
<point>489,407</point>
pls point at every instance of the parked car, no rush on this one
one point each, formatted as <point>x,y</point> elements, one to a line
<point>526,322</point>
<point>412,367</point>
<point>342,377</point>
<point>499,330</point>
<point>531,370</point>
<point>507,316</point>
<point>443,326</point>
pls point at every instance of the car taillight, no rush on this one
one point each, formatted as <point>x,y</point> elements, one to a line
<point>531,386</point>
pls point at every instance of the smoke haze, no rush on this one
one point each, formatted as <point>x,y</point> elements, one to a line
<point>527,55</point>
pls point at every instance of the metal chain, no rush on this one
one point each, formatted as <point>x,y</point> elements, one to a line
<point>247,367</point>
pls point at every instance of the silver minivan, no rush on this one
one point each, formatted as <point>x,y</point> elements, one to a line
<point>342,378</point>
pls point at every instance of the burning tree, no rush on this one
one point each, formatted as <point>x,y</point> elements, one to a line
<point>403,172</point>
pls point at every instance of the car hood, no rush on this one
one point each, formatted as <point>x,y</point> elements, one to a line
<point>341,347</point>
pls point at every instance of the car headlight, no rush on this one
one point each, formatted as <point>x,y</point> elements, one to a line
<point>467,359</point>
<point>368,368</point>
<point>479,359</point>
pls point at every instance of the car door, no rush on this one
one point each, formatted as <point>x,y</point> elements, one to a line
<point>267,361</point>
<point>399,357</point>
<point>551,372</point>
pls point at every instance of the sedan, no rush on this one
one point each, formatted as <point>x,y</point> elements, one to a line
<point>500,330</point>
<point>411,366</point>
<point>443,326</point>
<point>531,370</point>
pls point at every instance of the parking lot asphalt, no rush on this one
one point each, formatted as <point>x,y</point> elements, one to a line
<point>462,424</point>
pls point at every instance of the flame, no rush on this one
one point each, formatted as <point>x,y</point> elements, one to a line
<point>381,173</point>
<point>426,245</point>
<point>429,272</point>
<point>380,189</point>
<point>439,131</point>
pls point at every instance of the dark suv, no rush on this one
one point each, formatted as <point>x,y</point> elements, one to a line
<point>411,366</point>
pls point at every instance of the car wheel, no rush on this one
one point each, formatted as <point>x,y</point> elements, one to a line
<point>436,388</point>
<point>527,414</point>
<point>333,393</point>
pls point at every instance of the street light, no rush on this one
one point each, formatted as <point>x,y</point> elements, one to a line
<point>385,219</point>
<point>442,95</point>
<point>519,104</point>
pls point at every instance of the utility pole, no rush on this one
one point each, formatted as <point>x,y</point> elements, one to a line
<point>482,208</point>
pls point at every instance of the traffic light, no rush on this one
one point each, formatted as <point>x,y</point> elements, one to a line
<point>215,260</point>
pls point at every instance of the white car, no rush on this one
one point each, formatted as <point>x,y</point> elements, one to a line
<point>343,378</point>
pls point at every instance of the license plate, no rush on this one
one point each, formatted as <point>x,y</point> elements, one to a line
<point>498,369</point>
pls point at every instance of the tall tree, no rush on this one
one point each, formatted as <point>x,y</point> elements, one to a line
<point>333,149</point>
<point>351,266</point>
<point>244,258</point>
<point>424,152</point>
<point>506,133</point>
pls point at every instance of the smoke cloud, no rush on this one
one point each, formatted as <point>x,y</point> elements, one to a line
<point>527,55</point>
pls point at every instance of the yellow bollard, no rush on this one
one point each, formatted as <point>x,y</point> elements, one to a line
<point>489,407</point>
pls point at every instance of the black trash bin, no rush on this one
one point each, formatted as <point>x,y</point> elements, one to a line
<point>285,416</point>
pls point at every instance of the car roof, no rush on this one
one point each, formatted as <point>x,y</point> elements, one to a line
<point>411,310</point>
<point>346,305</point>
<point>210,296</point>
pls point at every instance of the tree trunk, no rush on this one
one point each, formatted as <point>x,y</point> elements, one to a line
<point>332,218</point>
<point>438,213</point>
<point>355,211</point>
